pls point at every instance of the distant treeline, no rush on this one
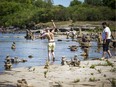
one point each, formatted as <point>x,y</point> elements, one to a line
<point>23,12</point>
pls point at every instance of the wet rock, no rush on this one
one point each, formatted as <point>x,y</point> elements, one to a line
<point>13,46</point>
<point>59,40</point>
<point>19,82</point>
<point>68,62</point>
<point>73,48</point>
<point>86,52</point>
<point>75,61</point>
<point>8,66</point>
<point>63,60</point>
<point>22,83</point>
<point>17,60</point>
<point>30,56</point>
<point>29,35</point>
<point>24,60</point>
<point>8,59</point>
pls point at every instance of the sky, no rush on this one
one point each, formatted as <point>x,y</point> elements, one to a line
<point>63,2</point>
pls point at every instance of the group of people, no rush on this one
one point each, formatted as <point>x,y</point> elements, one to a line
<point>49,34</point>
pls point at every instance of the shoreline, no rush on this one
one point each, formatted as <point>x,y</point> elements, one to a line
<point>90,73</point>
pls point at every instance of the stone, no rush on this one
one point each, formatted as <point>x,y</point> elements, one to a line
<point>63,60</point>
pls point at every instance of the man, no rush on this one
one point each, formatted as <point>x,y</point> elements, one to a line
<point>106,36</point>
<point>51,43</point>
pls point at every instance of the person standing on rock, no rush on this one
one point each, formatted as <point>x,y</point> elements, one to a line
<point>106,36</point>
<point>49,33</point>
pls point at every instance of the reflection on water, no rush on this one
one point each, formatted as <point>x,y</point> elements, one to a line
<point>38,49</point>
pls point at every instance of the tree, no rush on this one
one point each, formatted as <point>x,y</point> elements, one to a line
<point>75,2</point>
<point>110,3</point>
<point>39,3</point>
<point>93,2</point>
<point>49,3</point>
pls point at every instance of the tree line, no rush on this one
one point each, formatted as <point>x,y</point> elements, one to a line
<point>23,12</point>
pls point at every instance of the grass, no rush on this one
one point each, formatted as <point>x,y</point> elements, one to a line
<point>76,80</point>
<point>92,73</point>
<point>113,82</point>
<point>92,79</point>
<point>113,70</point>
<point>92,66</point>
<point>45,73</point>
<point>99,70</point>
<point>109,63</point>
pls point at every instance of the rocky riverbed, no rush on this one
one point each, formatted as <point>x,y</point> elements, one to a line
<point>90,73</point>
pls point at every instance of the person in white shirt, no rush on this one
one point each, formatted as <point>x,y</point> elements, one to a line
<point>106,36</point>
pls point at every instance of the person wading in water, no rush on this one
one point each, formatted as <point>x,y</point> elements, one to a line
<point>106,36</point>
<point>49,34</point>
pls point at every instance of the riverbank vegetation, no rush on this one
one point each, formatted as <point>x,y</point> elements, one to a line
<point>31,12</point>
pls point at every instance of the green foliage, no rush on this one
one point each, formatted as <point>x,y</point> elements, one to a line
<point>75,2</point>
<point>94,2</point>
<point>109,63</point>
<point>110,3</point>
<point>77,80</point>
<point>113,82</point>
<point>92,79</point>
<point>92,73</point>
<point>113,70</point>
<point>22,12</point>
<point>99,70</point>
<point>92,66</point>
<point>7,8</point>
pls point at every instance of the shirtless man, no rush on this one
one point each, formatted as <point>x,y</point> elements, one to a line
<point>51,43</point>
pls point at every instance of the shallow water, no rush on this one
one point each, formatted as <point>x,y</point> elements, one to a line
<point>38,49</point>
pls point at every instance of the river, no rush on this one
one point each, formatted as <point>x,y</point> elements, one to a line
<point>38,49</point>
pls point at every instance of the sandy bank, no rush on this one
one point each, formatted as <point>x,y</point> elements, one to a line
<point>92,73</point>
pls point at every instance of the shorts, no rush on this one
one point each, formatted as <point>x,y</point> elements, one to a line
<point>106,45</point>
<point>51,46</point>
